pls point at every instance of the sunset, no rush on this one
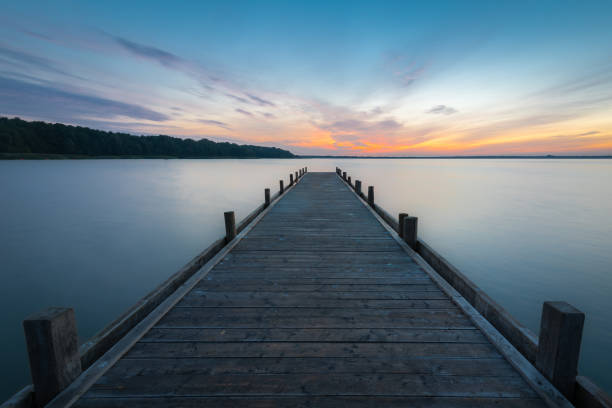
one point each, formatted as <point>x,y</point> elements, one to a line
<point>315,204</point>
<point>478,78</point>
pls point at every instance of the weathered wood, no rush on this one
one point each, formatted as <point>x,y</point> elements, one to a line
<point>53,351</point>
<point>267,197</point>
<point>358,187</point>
<point>410,231</point>
<point>296,176</point>
<point>559,345</point>
<point>349,181</point>
<point>344,175</point>
<point>230,225</point>
<point>371,195</point>
<point>400,221</point>
<point>315,302</point>
<point>309,401</point>
<point>290,179</point>
<point>282,186</point>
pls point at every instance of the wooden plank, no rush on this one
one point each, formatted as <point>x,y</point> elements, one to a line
<point>310,401</point>
<point>311,349</point>
<point>316,335</point>
<point>316,384</point>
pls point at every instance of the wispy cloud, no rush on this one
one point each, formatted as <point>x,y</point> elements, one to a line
<point>215,123</point>
<point>442,110</point>
<point>247,113</point>
<point>165,58</point>
<point>260,101</point>
<point>19,97</point>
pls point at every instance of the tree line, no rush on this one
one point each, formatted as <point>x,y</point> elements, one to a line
<point>22,137</point>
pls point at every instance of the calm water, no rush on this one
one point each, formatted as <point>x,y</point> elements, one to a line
<point>99,234</point>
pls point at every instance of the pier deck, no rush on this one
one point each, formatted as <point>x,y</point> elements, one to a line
<point>319,306</point>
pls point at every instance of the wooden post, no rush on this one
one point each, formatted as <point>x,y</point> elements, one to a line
<point>230,226</point>
<point>306,169</point>
<point>349,180</point>
<point>559,345</point>
<point>401,218</point>
<point>344,175</point>
<point>291,179</point>
<point>410,231</point>
<point>371,195</point>
<point>358,187</point>
<point>282,186</point>
<point>296,176</point>
<point>267,196</point>
<point>53,349</point>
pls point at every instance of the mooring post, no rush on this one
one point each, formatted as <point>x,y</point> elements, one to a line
<point>267,196</point>
<point>344,175</point>
<point>230,225</point>
<point>349,181</point>
<point>282,186</point>
<point>371,195</point>
<point>400,221</point>
<point>296,176</point>
<point>306,169</point>
<point>291,179</point>
<point>559,345</point>
<point>358,187</point>
<point>410,231</point>
<point>53,349</point>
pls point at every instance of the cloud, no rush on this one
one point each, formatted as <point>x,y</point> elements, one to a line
<point>357,125</point>
<point>247,113</point>
<point>260,101</point>
<point>442,110</point>
<point>24,98</point>
<point>269,115</point>
<point>165,58</point>
<point>238,98</point>
<point>215,123</point>
<point>32,61</point>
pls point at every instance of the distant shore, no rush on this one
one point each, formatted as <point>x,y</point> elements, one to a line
<point>46,156</point>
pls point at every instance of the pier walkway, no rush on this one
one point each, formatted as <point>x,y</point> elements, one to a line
<point>317,305</point>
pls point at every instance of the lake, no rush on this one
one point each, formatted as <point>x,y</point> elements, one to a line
<point>97,235</point>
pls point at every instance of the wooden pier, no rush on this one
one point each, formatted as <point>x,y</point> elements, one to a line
<point>315,303</point>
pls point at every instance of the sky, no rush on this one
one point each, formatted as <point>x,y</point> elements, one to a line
<point>320,77</point>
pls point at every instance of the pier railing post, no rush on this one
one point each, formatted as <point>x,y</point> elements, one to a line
<point>400,221</point>
<point>349,181</point>
<point>296,176</point>
<point>371,195</point>
<point>410,231</point>
<point>290,179</point>
<point>358,187</point>
<point>267,196</point>
<point>282,186</point>
<point>559,345</point>
<point>53,349</point>
<point>344,175</point>
<point>230,225</point>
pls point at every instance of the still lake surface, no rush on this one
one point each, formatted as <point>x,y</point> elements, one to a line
<point>97,235</point>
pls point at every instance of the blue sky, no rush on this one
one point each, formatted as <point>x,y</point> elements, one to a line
<point>406,78</point>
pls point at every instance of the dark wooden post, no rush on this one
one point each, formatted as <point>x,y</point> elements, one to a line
<point>559,345</point>
<point>371,195</point>
<point>282,186</point>
<point>291,179</point>
<point>349,180</point>
<point>296,176</point>
<point>358,187</point>
<point>306,169</point>
<point>267,196</point>
<point>400,220</point>
<point>344,175</point>
<point>53,349</point>
<point>230,226</point>
<point>410,231</point>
